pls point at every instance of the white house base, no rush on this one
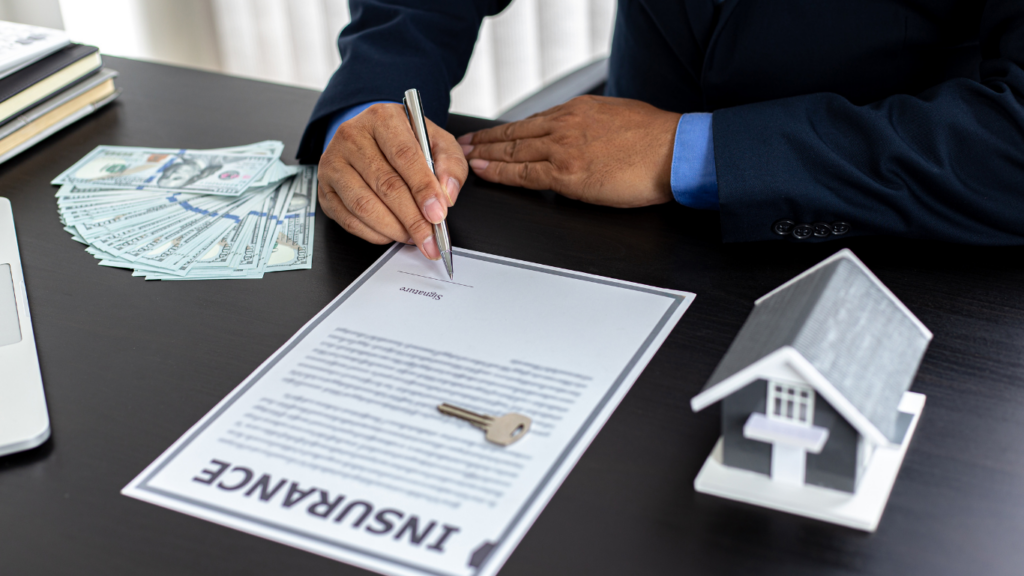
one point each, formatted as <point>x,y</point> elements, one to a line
<point>861,510</point>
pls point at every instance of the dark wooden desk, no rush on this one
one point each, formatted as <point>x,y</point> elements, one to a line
<point>129,365</point>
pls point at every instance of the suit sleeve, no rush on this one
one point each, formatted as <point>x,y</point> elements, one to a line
<point>944,164</point>
<point>393,45</point>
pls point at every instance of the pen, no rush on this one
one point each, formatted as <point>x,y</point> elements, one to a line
<point>414,108</point>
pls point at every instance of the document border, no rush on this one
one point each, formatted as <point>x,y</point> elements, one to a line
<point>678,299</point>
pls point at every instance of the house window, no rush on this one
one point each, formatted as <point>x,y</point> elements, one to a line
<point>790,402</point>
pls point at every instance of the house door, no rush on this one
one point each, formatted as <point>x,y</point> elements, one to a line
<point>793,404</point>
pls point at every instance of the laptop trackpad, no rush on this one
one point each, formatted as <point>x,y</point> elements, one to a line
<point>10,327</point>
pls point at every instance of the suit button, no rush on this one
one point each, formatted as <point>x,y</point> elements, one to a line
<point>802,231</point>
<point>840,228</point>
<point>822,229</point>
<point>783,227</point>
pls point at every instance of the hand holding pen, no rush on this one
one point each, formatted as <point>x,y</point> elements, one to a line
<point>374,182</point>
<point>417,119</point>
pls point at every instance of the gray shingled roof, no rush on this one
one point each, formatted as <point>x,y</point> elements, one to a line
<point>848,327</point>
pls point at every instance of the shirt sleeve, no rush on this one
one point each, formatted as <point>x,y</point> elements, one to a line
<point>694,179</point>
<point>342,116</point>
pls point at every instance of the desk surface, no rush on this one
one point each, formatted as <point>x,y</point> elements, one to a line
<point>129,365</point>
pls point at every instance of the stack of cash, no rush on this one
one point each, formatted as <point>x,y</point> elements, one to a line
<point>191,214</point>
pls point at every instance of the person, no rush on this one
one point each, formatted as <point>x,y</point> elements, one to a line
<point>803,119</point>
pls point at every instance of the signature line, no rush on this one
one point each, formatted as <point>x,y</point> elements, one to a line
<point>432,278</point>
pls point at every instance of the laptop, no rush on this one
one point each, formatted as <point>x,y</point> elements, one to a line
<point>24,422</point>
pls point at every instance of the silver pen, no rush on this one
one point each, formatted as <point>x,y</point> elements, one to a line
<point>414,108</point>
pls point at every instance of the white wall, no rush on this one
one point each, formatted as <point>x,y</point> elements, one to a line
<point>36,12</point>
<point>179,32</point>
<point>293,41</point>
<point>527,46</point>
<point>287,41</point>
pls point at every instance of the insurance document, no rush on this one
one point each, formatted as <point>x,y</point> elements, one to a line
<point>335,444</point>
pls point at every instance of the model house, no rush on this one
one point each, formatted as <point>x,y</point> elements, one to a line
<point>811,387</point>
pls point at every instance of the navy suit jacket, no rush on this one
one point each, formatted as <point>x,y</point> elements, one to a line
<point>900,117</point>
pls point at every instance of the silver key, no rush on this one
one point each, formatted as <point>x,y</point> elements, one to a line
<point>503,430</point>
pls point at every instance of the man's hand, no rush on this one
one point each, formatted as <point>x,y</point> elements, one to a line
<point>608,151</point>
<point>375,182</point>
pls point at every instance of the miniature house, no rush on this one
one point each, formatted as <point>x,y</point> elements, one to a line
<point>811,386</point>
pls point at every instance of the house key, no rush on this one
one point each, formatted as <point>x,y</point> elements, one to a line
<point>503,430</point>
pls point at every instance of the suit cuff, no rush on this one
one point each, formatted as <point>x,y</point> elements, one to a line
<point>694,179</point>
<point>345,115</point>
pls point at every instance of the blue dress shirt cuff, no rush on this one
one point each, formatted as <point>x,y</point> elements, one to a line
<point>345,115</point>
<point>694,179</point>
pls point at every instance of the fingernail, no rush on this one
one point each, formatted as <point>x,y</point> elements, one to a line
<point>433,211</point>
<point>465,138</point>
<point>453,191</point>
<point>429,249</point>
<point>467,148</point>
<point>478,164</point>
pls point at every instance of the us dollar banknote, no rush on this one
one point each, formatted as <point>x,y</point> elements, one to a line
<point>293,247</point>
<point>167,170</point>
<point>180,232</point>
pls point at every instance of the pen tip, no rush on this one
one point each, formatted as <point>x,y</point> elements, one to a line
<point>446,255</point>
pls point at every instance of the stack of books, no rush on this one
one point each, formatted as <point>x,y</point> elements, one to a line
<point>46,83</point>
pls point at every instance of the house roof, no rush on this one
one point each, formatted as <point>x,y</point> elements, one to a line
<point>851,330</point>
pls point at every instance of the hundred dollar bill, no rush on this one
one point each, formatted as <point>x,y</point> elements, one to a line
<point>178,254</point>
<point>263,240</point>
<point>119,224</point>
<point>245,255</point>
<point>168,170</point>
<point>269,148</point>
<point>75,235</point>
<point>188,234</point>
<point>293,249</point>
<point>218,254</point>
<point>277,172</point>
<point>270,231</point>
<point>207,275</point>
<point>115,211</point>
<point>250,248</point>
<point>212,240</point>
<point>265,148</point>
<point>130,239</point>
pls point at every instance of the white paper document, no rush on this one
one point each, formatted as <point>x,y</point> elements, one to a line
<point>335,445</point>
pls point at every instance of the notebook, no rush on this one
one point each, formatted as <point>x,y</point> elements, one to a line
<point>54,114</point>
<point>37,82</point>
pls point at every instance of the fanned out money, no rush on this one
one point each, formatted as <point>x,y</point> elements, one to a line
<point>220,214</point>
